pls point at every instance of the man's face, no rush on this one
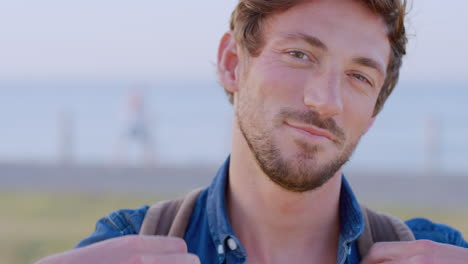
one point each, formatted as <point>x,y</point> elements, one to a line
<point>303,104</point>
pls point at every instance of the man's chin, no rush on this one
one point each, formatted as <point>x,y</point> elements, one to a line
<point>299,177</point>
<point>301,186</point>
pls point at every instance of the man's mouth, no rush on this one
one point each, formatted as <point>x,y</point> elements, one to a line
<point>312,130</point>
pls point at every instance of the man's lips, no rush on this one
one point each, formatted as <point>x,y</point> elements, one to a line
<point>312,130</point>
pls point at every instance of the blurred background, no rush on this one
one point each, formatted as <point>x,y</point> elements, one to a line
<point>113,104</point>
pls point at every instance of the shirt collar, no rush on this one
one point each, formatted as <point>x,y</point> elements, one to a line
<point>352,221</point>
<point>218,222</point>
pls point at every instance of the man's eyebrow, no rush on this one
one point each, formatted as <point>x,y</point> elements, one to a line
<point>316,42</point>
<point>370,63</point>
<point>313,41</point>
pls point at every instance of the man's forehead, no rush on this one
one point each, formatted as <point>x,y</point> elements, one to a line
<point>310,8</point>
<point>350,25</point>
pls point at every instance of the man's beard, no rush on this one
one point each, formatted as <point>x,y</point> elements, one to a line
<point>303,173</point>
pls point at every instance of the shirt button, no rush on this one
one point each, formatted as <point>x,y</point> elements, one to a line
<point>220,249</point>
<point>232,244</point>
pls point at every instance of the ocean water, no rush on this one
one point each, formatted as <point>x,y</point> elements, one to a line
<point>190,123</point>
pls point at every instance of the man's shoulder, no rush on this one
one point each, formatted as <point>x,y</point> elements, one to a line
<point>426,229</point>
<point>126,221</point>
<point>117,223</point>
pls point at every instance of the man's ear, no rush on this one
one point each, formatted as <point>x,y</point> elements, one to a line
<point>228,61</point>
<point>370,123</point>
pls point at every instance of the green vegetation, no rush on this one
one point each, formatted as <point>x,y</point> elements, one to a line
<point>33,225</point>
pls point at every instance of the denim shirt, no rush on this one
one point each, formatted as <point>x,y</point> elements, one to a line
<point>210,236</point>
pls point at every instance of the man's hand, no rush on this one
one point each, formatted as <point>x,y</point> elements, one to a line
<point>416,252</point>
<point>128,250</point>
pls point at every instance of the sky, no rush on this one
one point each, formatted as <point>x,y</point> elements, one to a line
<point>154,40</point>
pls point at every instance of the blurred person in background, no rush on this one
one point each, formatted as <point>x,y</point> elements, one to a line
<point>307,79</point>
<point>135,145</point>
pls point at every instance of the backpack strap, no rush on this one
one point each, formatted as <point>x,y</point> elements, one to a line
<point>170,218</point>
<point>380,227</point>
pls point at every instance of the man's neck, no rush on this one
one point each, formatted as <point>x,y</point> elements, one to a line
<point>279,226</point>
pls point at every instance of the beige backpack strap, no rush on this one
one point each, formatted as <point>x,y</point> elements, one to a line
<point>381,227</point>
<point>169,218</point>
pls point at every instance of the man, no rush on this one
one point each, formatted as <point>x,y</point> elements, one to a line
<point>307,80</point>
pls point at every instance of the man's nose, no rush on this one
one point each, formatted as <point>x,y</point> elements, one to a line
<point>322,93</point>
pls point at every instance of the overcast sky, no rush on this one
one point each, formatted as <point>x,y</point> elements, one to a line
<point>157,39</point>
